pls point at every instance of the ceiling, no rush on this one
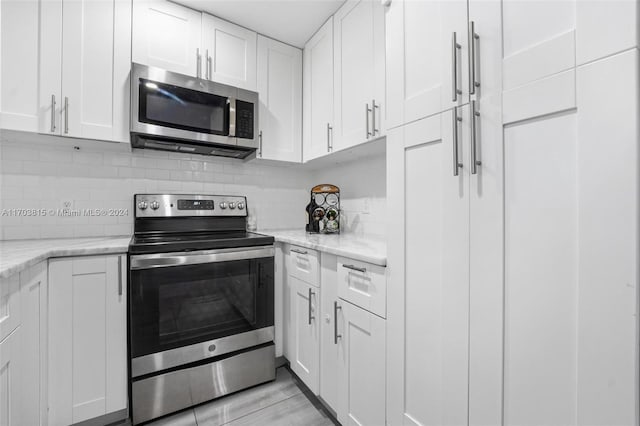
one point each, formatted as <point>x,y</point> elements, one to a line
<point>290,21</point>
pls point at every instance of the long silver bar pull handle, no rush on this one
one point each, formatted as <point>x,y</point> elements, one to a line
<point>474,143</point>
<point>454,66</point>
<point>456,163</point>
<point>53,113</point>
<point>260,144</point>
<point>473,58</point>
<point>198,63</point>
<point>367,110</point>
<point>311,317</point>
<point>206,64</point>
<point>66,115</point>
<point>329,130</point>
<point>119,275</point>
<point>336,336</point>
<point>373,117</point>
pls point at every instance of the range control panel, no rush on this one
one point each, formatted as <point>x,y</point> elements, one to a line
<point>171,205</point>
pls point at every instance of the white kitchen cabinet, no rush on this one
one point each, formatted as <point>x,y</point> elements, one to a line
<point>428,262</point>
<point>317,81</point>
<point>229,53</point>
<point>280,89</point>
<point>168,36</point>
<point>11,370</point>
<point>84,69</point>
<point>87,338</point>
<point>19,64</point>
<point>306,329</point>
<point>543,39</point>
<point>428,72</point>
<point>33,345</point>
<point>571,248</point>
<point>359,73</point>
<point>331,347</point>
<point>361,390</point>
<point>9,305</point>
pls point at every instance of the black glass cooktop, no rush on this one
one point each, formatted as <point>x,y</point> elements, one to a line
<point>170,242</point>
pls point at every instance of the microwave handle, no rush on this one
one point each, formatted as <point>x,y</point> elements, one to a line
<point>232,117</point>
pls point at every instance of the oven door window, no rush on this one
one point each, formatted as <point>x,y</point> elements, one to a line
<point>183,305</point>
<point>185,109</point>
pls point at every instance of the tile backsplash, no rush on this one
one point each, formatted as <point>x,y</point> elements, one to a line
<point>47,184</point>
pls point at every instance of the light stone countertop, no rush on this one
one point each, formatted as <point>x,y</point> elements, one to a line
<point>370,249</point>
<point>18,255</point>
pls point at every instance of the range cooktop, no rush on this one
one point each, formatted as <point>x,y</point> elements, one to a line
<point>166,243</point>
<point>166,223</point>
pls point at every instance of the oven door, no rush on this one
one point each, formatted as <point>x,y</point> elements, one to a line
<point>185,307</point>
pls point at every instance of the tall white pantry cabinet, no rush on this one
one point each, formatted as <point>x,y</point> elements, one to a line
<point>515,261</point>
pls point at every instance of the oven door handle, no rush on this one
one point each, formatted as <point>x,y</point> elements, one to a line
<point>166,260</point>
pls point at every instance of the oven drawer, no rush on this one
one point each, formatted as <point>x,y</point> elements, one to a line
<point>304,264</point>
<point>166,393</point>
<point>363,284</point>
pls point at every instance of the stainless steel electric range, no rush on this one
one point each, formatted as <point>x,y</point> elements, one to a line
<point>200,302</point>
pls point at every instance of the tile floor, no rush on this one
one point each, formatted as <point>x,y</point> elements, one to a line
<point>279,403</point>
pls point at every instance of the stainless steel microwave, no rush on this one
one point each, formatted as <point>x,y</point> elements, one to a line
<point>180,113</point>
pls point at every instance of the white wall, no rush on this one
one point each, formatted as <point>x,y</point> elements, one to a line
<point>41,172</point>
<point>363,193</point>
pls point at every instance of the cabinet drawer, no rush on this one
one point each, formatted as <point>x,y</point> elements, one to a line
<point>9,305</point>
<point>363,284</point>
<point>304,264</point>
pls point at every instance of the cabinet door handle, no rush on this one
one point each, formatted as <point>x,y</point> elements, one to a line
<point>336,336</point>
<point>456,163</point>
<point>53,113</point>
<point>298,251</point>
<point>454,66</point>
<point>367,110</point>
<point>206,64</point>
<point>66,115</point>
<point>119,275</point>
<point>198,63</point>
<point>474,136</point>
<point>311,317</point>
<point>329,130</point>
<point>260,144</point>
<point>355,268</point>
<point>473,59</point>
<point>373,117</point>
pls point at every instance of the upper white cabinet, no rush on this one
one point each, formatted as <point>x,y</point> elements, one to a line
<point>229,53</point>
<point>317,84</point>
<point>19,64</point>
<point>87,338</point>
<point>359,73</point>
<point>167,36</point>
<point>574,33</point>
<point>280,89</point>
<point>427,49</point>
<point>84,69</point>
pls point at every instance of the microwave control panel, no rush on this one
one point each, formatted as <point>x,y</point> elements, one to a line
<point>244,119</point>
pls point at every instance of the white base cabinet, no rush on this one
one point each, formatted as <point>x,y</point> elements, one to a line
<point>87,338</point>
<point>306,348</point>
<point>338,349</point>
<point>361,370</point>
<point>23,363</point>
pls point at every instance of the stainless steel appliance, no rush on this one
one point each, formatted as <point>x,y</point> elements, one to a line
<point>200,302</point>
<point>180,113</point>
